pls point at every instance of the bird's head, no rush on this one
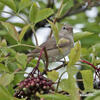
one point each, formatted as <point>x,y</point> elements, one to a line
<point>67,29</point>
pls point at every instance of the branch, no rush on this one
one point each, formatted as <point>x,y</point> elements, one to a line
<point>63,65</point>
<point>50,4</point>
<point>73,11</point>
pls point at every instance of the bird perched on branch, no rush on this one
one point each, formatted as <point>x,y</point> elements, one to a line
<point>56,51</point>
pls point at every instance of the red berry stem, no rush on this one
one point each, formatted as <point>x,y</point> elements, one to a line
<point>38,62</point>
<point>84,61</point>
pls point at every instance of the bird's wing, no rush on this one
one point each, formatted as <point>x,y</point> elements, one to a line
<point>51,42</point>
<point>52,45</point>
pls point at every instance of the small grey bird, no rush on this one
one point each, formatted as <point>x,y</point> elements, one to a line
<point>56,51</point>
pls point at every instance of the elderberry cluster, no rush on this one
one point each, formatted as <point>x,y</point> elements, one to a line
<point>33,84</point>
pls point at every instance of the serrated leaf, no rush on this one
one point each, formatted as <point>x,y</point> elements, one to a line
<point>97,61</point>
<point>6,79</point>
<point>55,31</point>
<point>96,47</point>
<point>74,55</point>
<point>43,14</point>
<point>87,76</point>
<point>24,4</point>
<point>4,94</point>
<point>9,3</point>
<point>33,13</point>
<point>11,30</point>
<point>71,70</point>
<point>80,35</point>
<point>5,51</point>
<point>3,43</point>
<point>1,6</point>
<point>94,96</point>
<point>22,60</point>
<point>24,29</point>
<point>84,52</point>
<point>90,40</point>
<point>65,85</point>
<point>3,68</point>
<point>18,78</point>
<point>80,1</point>
<point>67,5</point>
<point>53,75</point>
<point>54,97</point>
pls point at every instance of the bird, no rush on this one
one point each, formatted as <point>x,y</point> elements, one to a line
<point>56,51</point>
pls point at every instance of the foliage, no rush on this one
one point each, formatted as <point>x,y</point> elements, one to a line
<point>14,46</point>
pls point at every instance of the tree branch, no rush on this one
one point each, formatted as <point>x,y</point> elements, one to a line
<point>78,10</point>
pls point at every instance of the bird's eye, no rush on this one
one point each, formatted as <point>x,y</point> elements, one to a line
<point>64,28</point>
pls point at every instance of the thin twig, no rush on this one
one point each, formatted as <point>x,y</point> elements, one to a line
<point>46,57</point>
<point>63,65</point>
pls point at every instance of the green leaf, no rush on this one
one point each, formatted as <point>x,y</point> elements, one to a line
<point>6,79</point>
<point>3,18</point>
<point>55,30</point>
<point>5,51</point>
<point>67,5</point>
<point>71,70</point>
<point>1,7</point>
<point>33,13</point>
<point>65,85</point>
<point>3,43</point>
<point>96,47</point>
<point>4,94</point>
<point>24,4</point>
<point>53,75</point>
<point>3,68</point>
<point>80,35</point>
<point>23,32</point>
<point>43,14</point>
<point>11,30</point>
<point>80,1</point>
<point>90,40</point>
<point>54,97</point>
<point>95,96</point>
<point>87,76</point>
<point>3,32</point>
<point>84,52</point>
<point>97,61</point>
<point>18,77</point>
<point>9,3</point>
<point>22,60</point>
<point>74,55</point>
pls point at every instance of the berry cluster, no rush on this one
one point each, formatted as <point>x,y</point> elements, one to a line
<point>32,84</point>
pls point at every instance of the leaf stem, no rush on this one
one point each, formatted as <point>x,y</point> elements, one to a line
<point>26,45</point>
<point>15,14</point>
<point>32,27</point>
<point>59,81</point>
